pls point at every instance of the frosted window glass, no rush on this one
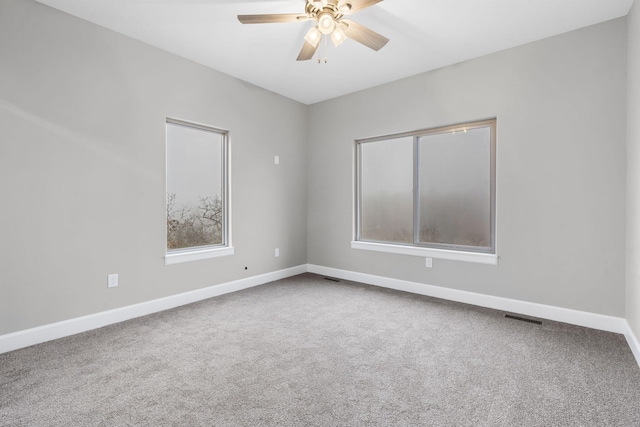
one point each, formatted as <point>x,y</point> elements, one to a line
<point>455,188</point>
<point>433,188</point>
<point>387,190</point>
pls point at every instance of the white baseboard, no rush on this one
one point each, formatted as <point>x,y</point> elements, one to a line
<point>633,342</point>
<point>28,337</point>
<point>574,317</point>
<point>65,328</point>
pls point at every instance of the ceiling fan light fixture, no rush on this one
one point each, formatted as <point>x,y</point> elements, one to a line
<point>313,36</point>
<point>338,36</point>
<point>345,8</point>
<point>326,24</point>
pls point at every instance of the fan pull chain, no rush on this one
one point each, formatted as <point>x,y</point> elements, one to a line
<point>325,51</point>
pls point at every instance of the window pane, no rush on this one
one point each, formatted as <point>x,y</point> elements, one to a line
<point>195,196</point>
<point>455,188</point>
<point>387,190</point>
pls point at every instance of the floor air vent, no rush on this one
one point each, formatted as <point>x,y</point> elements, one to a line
<point>331,279</point>
<point>523,319</point>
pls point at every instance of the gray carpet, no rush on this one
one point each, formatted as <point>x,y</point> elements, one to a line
<point>305,351</point>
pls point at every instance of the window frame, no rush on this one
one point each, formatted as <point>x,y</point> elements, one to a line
<point>196,253</point>
<point>425,249</point>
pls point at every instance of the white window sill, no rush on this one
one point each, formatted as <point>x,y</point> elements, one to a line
<point>480,258</point>
<point>197,255</point>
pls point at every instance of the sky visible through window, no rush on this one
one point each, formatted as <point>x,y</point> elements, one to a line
<point>194,157</point>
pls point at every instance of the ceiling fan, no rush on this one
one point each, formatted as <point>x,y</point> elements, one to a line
<point>329,15</point>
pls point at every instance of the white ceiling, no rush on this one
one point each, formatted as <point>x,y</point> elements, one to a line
<point>425,35</point>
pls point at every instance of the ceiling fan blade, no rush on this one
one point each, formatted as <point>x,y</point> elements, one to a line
<point>307,51</point>
<point>364,35</point>
<point>353,6</point>
<point>272,18</point>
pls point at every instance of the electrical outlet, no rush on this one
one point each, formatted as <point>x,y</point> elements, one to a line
<point>277,252</point>
<point>276,160</point>
<point>429,262</point>
<point>112,281</point>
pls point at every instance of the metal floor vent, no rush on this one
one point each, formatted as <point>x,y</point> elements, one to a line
<point>523,319</point>
<point>331,279</point>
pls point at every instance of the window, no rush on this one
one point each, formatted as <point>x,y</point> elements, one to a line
<point>429,193</point>
<point>197,192</point>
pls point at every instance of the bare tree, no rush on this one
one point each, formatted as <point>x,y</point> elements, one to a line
<point>190,227</point>
<point>211,208</point>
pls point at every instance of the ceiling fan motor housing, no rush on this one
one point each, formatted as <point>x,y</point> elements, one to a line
<point>316,9</point>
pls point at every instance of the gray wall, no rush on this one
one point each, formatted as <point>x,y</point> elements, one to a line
<point>560,105</point>
<point>82,168</point>
<point>633,169</point>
